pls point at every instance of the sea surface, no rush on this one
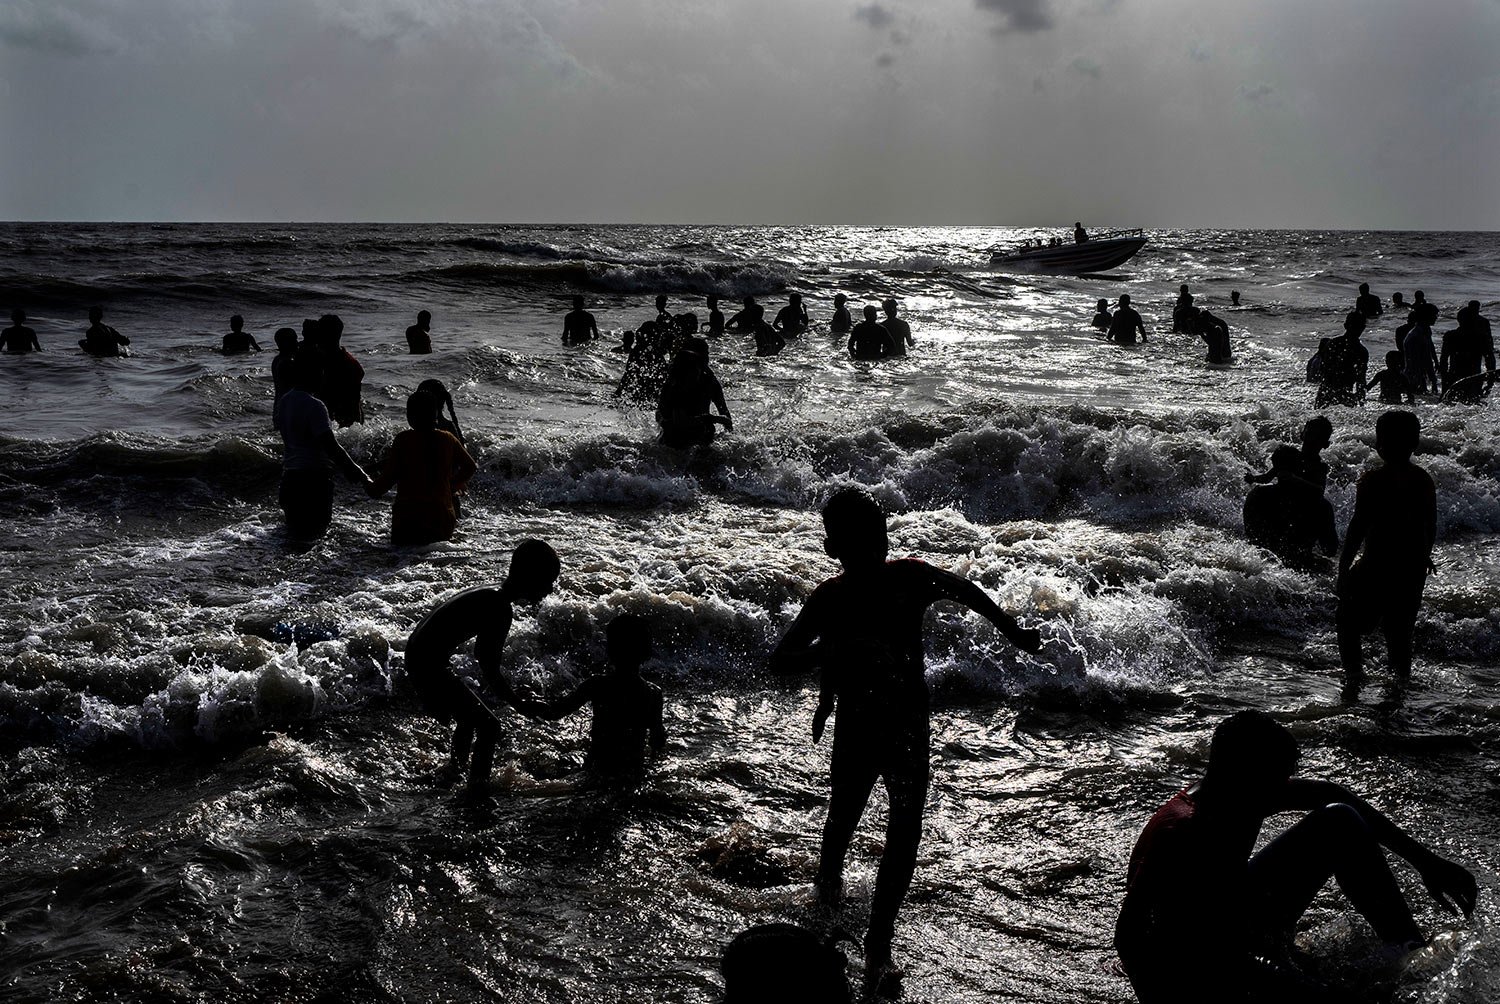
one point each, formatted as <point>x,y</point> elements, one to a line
<point>193,808</point>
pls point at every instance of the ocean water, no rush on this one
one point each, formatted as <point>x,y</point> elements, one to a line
<point>192,808</point>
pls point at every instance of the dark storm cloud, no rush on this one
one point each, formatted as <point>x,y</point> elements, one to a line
<point>1023,16</point>
<point>874,15</point>
<point>47,27</point>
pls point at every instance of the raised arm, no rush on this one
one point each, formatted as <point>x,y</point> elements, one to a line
<point>1451,884</point>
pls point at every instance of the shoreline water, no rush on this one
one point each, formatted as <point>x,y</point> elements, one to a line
<point>247,820</point>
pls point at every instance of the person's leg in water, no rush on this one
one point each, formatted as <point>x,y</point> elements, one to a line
<point>1357,612</point>
<point>484,753</point>
<point>853,778</point>
<point>1331,842</point>
<point>1399,623</point>
<point>907,789</point>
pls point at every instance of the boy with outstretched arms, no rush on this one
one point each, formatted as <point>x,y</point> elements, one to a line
<point>864,630</point>
<point>627,709</point>
<point>484,614</point>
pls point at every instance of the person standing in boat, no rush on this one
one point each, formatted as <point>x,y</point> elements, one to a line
<point>1125,323</point>
<point>1080,235</point>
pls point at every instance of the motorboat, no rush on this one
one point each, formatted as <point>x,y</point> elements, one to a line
<point>1097,254</point>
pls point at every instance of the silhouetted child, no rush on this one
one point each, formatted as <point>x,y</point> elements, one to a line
<point>1392,533</point>
<point>100,339</point>
<point>1289,517</point>
<point>18,337</point>
<point>1317,433</point>
<point>1101,315</point>
<point>1392,381</point>
<point>627,709</point>
<point>863,628</point>
<point>579,327</point>
<point>768,341</point>
<point>715,315</point>
<point>419,335</point>
<point>238,340</point>
<point>281,363</point>
<point>428,467</point>
<point>841,322</point>
<point>484,614</point>
<point>1203,914</point>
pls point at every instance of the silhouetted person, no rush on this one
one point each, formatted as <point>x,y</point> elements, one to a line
<point>863,629</point>
<point>900,331</point>
<point>427,467</point>
<point>842,323</point>
<point>748,318</point>
<point>1215,333</point>
<point>100,339</point>
<point>306,493</point>
<point>1464,349</point>
<point>1317,433</point>
<point>343,376</point>
<point>1367,303</point>
<point>238,340</point>
<point>663,315</point>
<point>309,336</point>
<point>690,390</point>
<point>1202,912</point>
<point>1234,297</point>
<point>1398,302</point>
<point>1102,315</point>
<point>448,423</point>
<point>1079,234</point>
<point>1125,323</point>
<point>1289,517</point>
<point>768,341</point>
<point>1419,359</point>
<point>645,367</point>
<point>18,337</point>
<point>627,343</point>
<point>869,339</point>
<point>1391,534</point>
<point>783,962</point>
<point>715,315</point>
<point>791,320</point>
<point>579,327</point>
<point>419,335</point>
<point>1183,313</point>
<point>1395,388</point>
<point>1343,364</point>
<point>282,362</point>
<point>484,614</point>
<point>627,709</point>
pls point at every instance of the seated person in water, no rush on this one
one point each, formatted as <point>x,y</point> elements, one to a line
<point>863,630</point>
<point>627,709</point>
<point>870,339</point>
<point>690,390</point>
<point>101,339</point>
<point>1394,387</point>
<point>627,341</point>
<point>428,467</point>
<point>1102,315</point>
<point>1202,912</point>
<point>768,341</point>
<point>841,322</point>
<point>419,335</point>
<point>1125,323</point>
<point>1398,302</point>
<point>1366,302</point>
<point>578,325</point>
<point>900,331</point>
<point>18,337</point>
<point>715,315</point>
<point>484,614</point>
<point>238,340</point>
<point>1289,517</point>
<point>1215,332</point>
<point>791,320</point>
<point>747,319</point>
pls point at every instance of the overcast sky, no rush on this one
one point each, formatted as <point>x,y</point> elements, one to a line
<point>1299,113</point>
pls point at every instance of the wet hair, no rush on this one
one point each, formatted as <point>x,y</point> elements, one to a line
<point>853,519</point>
<point>661,301</point>
<point>1397,434</point>
<point>1397,296</point>
<point>422,410</point>
<point>1318,429</point>
<point>870,312</point>
<point>577,303</point>
<point>627,339</point>
<point>1183,288</point>
<point>18,315</point>
<point>889,303</point>
<point>424,315</point>
<point>286,339</point>
<point>840,297</point>
<point>795,298</point>
<point>1428,312</point>
<point>1474,306</point>
<point>1250,743</point>
<point>1103,304</point>
<point>310,328</point>
<point>534,560</point>
<point>1364,287</point>
<point>1354,322</point>
<point>1125,299</point>
<point>1393,360</point>
<point>695,345</point>
<point>236,321</point>
<point>1286,459</point>
<point>436,389</point>
<point>1420,296</point>
<point>95,313</point>
<point>627,639</point>
<point>711,299</point>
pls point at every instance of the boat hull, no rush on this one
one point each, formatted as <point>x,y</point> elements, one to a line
<point>1072,259</point>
